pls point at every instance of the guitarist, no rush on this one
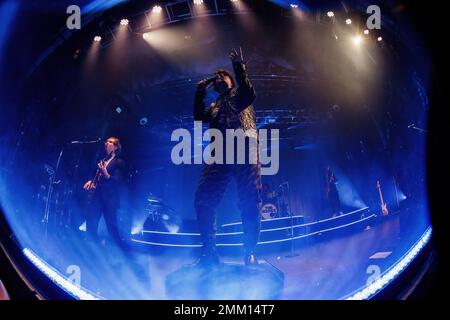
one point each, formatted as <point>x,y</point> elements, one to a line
<point>332,193</point>
<point>104,191</point>
<point>384,208</point>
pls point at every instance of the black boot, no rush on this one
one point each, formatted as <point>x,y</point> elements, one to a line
<point>209,257</point>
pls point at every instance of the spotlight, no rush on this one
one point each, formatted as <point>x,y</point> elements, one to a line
<point>82,227</point>
<point>380,39</point>
<point>330,14</point>
<point>198,2</point>
<point>366,31</point>
<point>157,9</point>
<point>348,21</point>
<point>234,0</point>
<point>124,22</point>
<point>119,110</point>
<point>136,230</point>
<point>357,40</point>
<point>97,38</point>
<point>336,107</point>
<point>294,6</point>
<point>143,121</point>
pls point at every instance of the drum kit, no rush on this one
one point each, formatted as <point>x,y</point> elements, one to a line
<point>275,202</point>
<point>161,217</point>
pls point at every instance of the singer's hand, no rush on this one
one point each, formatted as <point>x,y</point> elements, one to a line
<point>236,55</point>
<point>203,84</point>
<point>89,185</point>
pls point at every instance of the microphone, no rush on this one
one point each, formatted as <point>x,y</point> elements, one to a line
<point>413,126</point>
<point>203,83</point>
<point>85,142</point>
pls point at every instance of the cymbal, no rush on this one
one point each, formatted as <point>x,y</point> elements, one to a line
<point>157,202</point>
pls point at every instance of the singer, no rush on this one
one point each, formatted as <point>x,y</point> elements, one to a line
<point>104,192</point>
<point>232,110</point>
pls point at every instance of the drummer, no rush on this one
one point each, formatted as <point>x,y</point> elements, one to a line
<point>267,193</point>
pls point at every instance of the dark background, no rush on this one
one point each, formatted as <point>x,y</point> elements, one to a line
<point>429,19</point>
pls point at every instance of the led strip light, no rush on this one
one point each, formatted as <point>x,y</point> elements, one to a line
<point>56,277</point>
<point>259,243</point>
<point>300,225</point>
<point>264,230</point>
<point>370,290</point>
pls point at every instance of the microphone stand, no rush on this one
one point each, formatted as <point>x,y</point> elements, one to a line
<point>50,193</point>
<point>45,218</point>
<point>292,254</point>
<point>413,126</point>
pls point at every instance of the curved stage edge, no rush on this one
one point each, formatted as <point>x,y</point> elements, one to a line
<point>354,264</point>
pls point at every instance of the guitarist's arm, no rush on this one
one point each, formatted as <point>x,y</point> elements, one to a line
<point>117,173</point>
<point>88,185</point>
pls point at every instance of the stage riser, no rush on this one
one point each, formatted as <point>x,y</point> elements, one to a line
<point>269,248</point>
<point>279,240</point>
<point>266,235</point>
<point>226,281</point>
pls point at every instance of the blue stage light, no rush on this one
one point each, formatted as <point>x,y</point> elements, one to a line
<point>82,227</point>
<point>143,121</point>
<point>99,5</point>
<point>293,4</point>
<point>137,230</point>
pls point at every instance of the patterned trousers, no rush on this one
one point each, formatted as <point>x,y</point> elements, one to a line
<point>211,187</point>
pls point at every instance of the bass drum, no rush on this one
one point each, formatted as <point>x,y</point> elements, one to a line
<point>268,211</point>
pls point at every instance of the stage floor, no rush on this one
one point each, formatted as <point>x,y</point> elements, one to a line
<point>320,269</point>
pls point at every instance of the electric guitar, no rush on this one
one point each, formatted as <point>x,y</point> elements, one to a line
<point>384,208</point>
<point>95,180</point>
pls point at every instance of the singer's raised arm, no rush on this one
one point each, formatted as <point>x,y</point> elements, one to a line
<point>245,91</point>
